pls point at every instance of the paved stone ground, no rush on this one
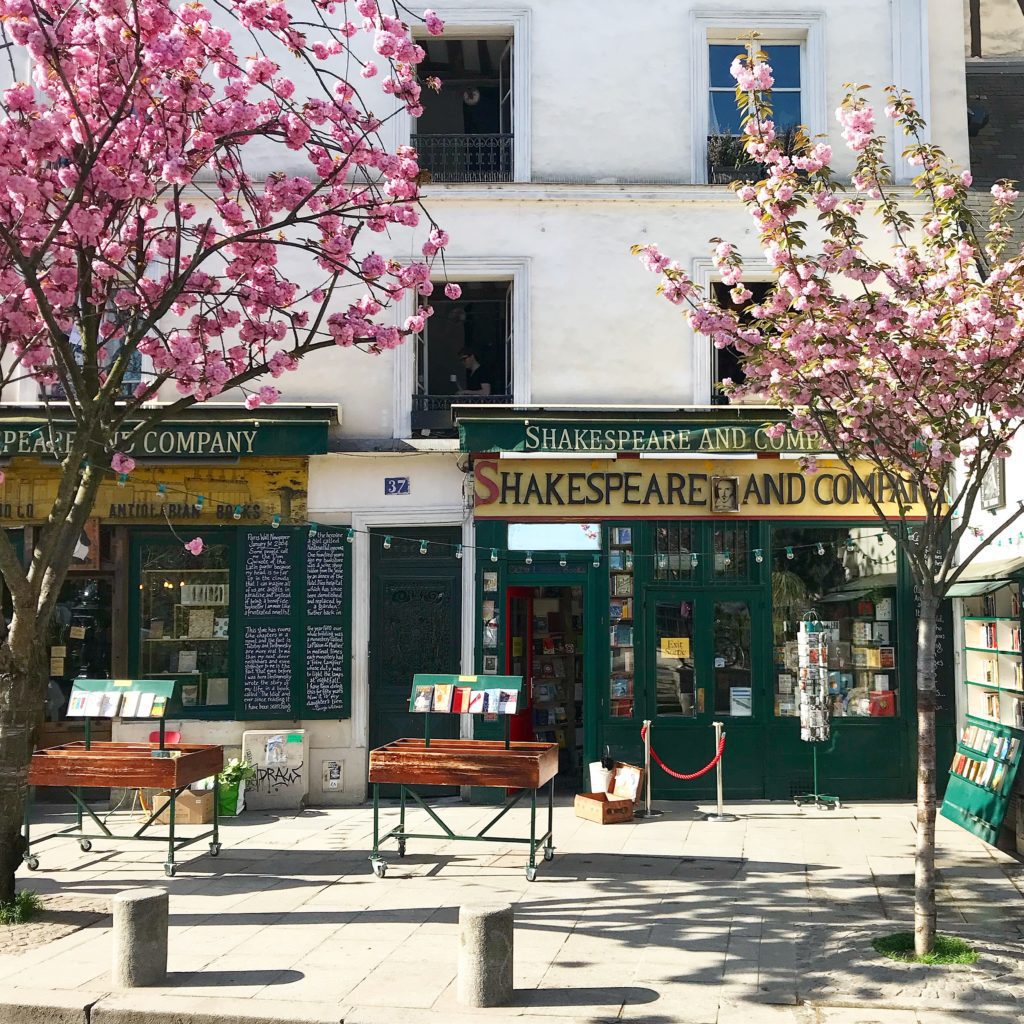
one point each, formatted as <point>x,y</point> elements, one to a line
<point>671,919</point>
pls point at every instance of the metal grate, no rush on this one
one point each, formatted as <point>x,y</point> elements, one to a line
<point>465,157</point>
<point>434,412</point>
<point>673,543</point>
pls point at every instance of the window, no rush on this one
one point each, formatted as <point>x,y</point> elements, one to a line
<point>726,363</point>
<point>464,353</point>
<point>726,159</point>
<point>132,377</point>
<point>465,132</point>
<point>846,578</point>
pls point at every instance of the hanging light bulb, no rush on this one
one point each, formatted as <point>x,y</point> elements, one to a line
<point>458,550</point>
<point>275,520</point>
<point>237,514</point>
<point>312,529</point>
<point>561,559</point>
<point>494,554</point>
<point>161,490</point>
<point>423,547</point>
<point>789,553</point>
<point>387,542</point>
<point>528,560</point>
<point>597,560</point>
<point>694,560</point>
<point>820,548</point>
<point>200,502</point>
<point>758,555</point>
<point>726,558</point>
<point>122,479</point>
<point>350,535</point>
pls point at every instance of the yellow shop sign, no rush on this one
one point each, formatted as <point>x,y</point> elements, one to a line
<point>692,489</point>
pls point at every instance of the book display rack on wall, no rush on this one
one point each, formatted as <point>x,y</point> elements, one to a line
<point>993,665</point>
<point>621,696</point>
<point>981,776</point>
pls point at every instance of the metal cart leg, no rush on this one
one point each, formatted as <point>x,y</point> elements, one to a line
<point>215,842</point>
<point>549,849</point>
<point>531,868</point>
<point>376,860</point>
<point>401,821</point>
<point>31,861</point>
<point>169,866</point>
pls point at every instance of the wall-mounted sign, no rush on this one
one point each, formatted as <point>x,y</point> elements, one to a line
<point>543,435</point>
<point>748,488</point>
<point>396,485</point>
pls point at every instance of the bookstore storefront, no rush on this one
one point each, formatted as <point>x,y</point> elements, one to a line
<point>230,624</point>
<point>659,569</point>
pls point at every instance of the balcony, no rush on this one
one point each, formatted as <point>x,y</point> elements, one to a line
<point>432,414</point>
<point>466,157</point>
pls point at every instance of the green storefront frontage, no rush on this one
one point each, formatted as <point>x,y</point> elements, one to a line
<point>671,609</point>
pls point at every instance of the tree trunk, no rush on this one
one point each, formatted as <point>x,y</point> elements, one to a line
<point>22,696</point>
<point>924,866</point>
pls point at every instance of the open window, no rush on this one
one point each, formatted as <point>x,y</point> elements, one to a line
<point>465,131</point>
<point>463,354</point>
<point>727,161</point>
<point>727,363</point>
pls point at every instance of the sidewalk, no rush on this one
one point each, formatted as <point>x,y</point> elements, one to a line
<point>672,919</point>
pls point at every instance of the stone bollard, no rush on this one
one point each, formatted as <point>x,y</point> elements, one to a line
<point>140,938</point>
<point>485,954</point>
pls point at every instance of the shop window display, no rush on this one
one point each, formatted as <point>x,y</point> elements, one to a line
<point>184,620</point>
<point>847,577</point>
<point>622,695</point>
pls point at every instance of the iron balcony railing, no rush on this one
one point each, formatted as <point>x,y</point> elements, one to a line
<point>465,157</point>
<point>434,412</point>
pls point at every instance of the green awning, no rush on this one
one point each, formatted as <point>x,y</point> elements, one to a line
<point>984,577</point>
<point>975,589</point>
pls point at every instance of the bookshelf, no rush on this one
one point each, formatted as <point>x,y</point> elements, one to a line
<point>621,695</point>
<point>981,777</point>
<point>993,666</point>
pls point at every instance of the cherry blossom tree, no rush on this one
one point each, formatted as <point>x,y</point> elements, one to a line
<point>170,197</point>
<point>904,355</point>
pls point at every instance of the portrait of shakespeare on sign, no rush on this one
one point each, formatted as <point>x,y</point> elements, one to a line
<point>725,494</point>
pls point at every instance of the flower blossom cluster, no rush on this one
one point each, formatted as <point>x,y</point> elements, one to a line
<point>135,109</point>
<point>914,359</point>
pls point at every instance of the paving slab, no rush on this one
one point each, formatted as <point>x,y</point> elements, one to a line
<point>670,920</point>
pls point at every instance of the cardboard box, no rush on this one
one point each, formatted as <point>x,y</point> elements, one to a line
<point>193,807</point>
<point>627,781</point>
<point>603,808</point>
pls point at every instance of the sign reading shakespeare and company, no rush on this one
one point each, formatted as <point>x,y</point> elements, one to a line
<point>748,488</point>
<point>176,440</point>
<point>551,436</point>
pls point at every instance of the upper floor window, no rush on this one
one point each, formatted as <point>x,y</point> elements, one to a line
<point>465,132</point>
<point>131,379</point>
<point>464,353</point>
<point>727,364</point>
<point>727,160</point>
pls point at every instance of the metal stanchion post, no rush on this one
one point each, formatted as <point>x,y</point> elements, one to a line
<point>648,811</point>
<point>720,814</point>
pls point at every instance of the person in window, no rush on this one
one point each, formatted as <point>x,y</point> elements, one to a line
<point>479,380</point>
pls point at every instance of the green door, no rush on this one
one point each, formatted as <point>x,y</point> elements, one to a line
<point>415,617</point>
<point>708,663</point>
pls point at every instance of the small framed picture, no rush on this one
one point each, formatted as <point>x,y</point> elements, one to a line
<point>725,494</point>
<point>490,582</point>
<point>490,664</point>
<point>992,495</point>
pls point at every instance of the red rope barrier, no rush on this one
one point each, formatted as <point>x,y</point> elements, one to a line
<point>677,775</point>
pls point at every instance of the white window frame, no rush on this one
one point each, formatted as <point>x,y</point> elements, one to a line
<point>806,28</point>
<point>491,23</point>
<point>467,269</point>
<point>704,273</point>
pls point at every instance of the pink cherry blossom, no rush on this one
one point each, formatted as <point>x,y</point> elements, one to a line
<point>194,546</point>
<point>452,290</point>
<point>121,463</point>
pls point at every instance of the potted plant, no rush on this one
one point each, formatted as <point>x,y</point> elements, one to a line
<point>728,161</point>
<point>232,782</point>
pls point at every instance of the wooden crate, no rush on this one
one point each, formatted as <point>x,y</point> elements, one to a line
<point>465,763</point>
<point>603,808</point>
<point>125,765</point>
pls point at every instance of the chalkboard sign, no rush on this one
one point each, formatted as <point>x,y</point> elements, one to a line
<point>268,668</point>
<point>945,675</point>
<point>325,573</point>
<point>268,583</point>
<point>326,656</point>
